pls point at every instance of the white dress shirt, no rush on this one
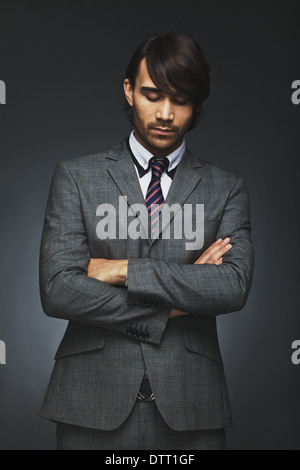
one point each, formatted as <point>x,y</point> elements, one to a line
<point>143,156</point>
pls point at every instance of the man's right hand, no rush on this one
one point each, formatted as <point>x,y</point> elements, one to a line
<point>213,255</point>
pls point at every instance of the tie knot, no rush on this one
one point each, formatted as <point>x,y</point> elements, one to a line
<point>158,166</point>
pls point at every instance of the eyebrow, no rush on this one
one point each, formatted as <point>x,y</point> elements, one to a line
<point>149,88</point>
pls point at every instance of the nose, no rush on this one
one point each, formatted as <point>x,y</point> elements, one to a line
<point>165,110</point>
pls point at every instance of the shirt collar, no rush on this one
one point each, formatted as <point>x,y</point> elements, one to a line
<point>141,156</point>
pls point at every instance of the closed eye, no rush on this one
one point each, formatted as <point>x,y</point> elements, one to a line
<point>154,94</point>
<point>152,98</point>
<point>180,101</point>
<point>177,101</point>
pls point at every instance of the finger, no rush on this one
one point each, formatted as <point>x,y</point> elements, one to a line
<point>219,244</point>
<point>213,257</point>
<point>218,254</point>
<point>214,251</point>
<point>97,261</point>
<point>216,243</point>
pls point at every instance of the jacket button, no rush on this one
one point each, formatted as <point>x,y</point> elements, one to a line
<point>139,333</point>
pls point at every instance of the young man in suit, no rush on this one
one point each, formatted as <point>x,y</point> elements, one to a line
<point>139,366</point>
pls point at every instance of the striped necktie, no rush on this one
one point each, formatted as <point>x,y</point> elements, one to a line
<point>154,196</point>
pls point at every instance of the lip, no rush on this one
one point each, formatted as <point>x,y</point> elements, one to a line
<point>161,131</point>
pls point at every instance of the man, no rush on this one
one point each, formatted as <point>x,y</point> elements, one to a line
<point>139,366</point>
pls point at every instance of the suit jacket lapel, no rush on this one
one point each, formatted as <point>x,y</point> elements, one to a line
<point>121,169</point>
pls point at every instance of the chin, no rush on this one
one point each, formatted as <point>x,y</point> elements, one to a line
<point>161,145</point>
<point>162,142</point>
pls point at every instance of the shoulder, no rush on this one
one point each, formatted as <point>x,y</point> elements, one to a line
<point>94,161</point>
<point>216,175</point>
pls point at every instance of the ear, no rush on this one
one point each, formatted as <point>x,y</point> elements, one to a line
<point>128,90</point>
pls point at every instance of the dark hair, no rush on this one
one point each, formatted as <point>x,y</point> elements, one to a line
<point>176,65</point>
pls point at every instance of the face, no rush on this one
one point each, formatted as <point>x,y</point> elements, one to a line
<point>160,120</point>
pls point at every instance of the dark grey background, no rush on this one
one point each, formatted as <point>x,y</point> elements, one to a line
<point>63,64</point>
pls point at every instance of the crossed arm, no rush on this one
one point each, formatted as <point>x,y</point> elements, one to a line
<point>114,272</point>
<point>71,288</point>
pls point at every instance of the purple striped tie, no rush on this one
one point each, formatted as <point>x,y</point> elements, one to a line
<point>154,196</point>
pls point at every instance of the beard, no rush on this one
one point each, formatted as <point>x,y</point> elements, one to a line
<point>158,142</point>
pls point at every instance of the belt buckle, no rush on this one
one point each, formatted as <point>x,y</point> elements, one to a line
<point>143,398</point>
<point>145,392</point>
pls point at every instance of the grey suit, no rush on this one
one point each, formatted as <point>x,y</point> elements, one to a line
<point>115,332</point>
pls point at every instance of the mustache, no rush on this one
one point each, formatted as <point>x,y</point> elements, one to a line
<point>165,127</point>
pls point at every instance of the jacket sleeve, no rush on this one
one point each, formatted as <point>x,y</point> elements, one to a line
<point>66,290</point>
<point>202,289</point>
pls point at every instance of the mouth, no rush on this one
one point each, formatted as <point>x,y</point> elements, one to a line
<point>162,131</point>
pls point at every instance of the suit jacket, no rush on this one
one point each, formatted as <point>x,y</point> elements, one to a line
<point>115,332</point>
